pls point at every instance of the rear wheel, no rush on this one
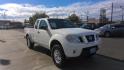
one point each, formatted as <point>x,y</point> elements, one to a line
<point>58,55</point>
<point>30,44</point>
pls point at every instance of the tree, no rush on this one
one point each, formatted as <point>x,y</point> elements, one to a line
<point>74,18</point>
<point>36,16</point>
<point>26,21</point>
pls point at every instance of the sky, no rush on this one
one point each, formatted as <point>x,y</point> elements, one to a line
<point>48,3</point>
<point>23,9</point>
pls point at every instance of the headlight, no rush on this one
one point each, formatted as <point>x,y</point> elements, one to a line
<point>73,38</point>
<point>98,31</point>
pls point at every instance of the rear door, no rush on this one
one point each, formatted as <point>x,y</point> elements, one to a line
<point>119,29</point>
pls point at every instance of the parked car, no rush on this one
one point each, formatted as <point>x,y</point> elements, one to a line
<point>63,39</point>
<point>90,26</point>
<point>111,30</point>
<point>80,24</point>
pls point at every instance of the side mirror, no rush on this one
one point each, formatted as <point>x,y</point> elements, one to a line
<point>43,27</point>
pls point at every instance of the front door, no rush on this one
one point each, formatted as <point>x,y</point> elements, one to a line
<point>43,34</point>
<point>35,32</point>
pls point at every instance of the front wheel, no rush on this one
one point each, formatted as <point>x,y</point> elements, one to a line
<point>58,55</point>
<point>107,34</point>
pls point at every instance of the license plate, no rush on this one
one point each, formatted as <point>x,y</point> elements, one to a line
<point>92,50</point>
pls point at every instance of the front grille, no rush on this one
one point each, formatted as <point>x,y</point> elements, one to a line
<point>90,38</point>
<point>86,51</point>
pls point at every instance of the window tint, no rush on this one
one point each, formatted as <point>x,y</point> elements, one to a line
<point>61,23</point>
<point>107,26</point>
<point>42,24</point>
<point>36,24</point>
<point>119,26</point>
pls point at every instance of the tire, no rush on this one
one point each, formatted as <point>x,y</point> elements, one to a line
<point>91,55</point>
<point>58,55</point>
<point>107,34</point>
<point>30,44</point>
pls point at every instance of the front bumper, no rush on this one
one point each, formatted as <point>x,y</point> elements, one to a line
<point>89,51</point>
<point>76,50</point>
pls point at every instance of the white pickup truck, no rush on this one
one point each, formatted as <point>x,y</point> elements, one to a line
<point>62,38</point>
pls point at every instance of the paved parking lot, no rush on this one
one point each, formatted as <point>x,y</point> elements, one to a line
<point>112,47</point>
<point>14,55</point>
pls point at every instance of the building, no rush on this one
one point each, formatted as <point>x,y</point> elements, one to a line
<point>6,24</point>
<point>93,20</point>
<point>16,24</point>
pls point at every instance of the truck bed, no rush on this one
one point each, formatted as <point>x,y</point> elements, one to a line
<point>28,30</point>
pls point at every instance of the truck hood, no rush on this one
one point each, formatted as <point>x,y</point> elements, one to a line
<point>66,31</point>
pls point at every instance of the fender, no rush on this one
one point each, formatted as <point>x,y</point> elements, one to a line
<point>57,37</point>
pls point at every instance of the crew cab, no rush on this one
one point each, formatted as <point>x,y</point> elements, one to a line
<point>62,38</point>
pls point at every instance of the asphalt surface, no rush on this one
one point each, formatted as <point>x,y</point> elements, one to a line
<point>112,47</point>
<point>14,55</point>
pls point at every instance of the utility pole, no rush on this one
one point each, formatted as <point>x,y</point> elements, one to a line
<point>87,14</point>
<point>4,15</point>
<point>112,13</point>
<point>122,13</point>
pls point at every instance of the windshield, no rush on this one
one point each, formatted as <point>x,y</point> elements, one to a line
<point>105,26</point>
<point>61,23</point>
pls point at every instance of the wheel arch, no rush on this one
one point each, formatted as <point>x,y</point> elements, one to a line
<point>29,36</point>
<point>54,41</point>
<point>57,42</point>
<point>57,38</point>
<point>26,35</point>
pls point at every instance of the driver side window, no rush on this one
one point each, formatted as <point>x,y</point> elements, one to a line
<point>42,24</point>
